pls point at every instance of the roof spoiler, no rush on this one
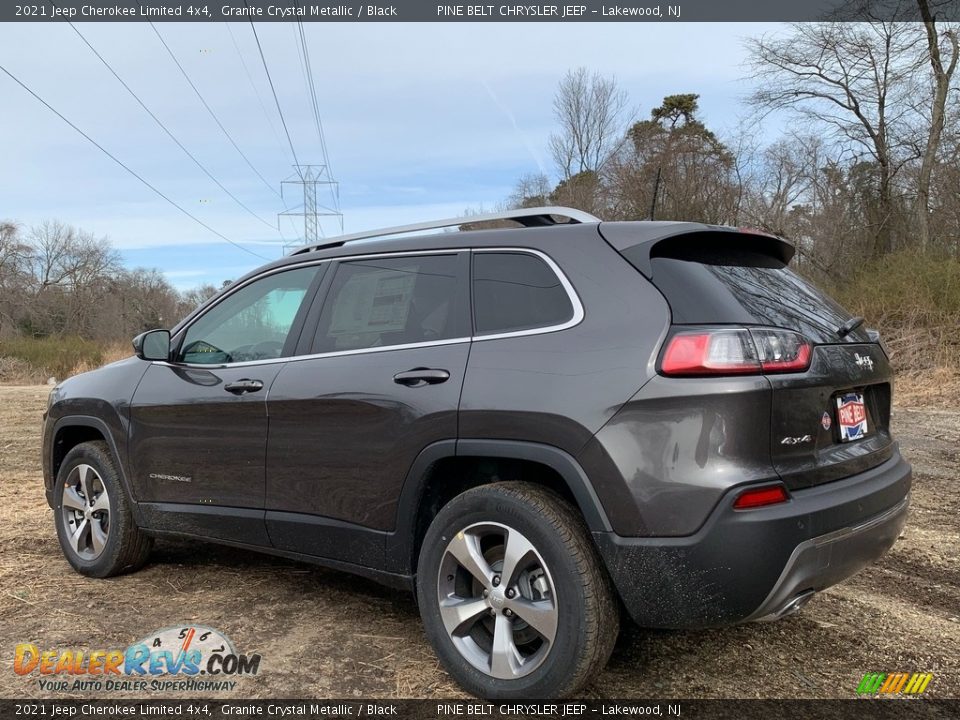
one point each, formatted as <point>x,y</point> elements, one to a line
<point>648,240</point>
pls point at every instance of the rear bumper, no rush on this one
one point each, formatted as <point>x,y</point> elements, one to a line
<point>763,563</point>
<point>827,559</point>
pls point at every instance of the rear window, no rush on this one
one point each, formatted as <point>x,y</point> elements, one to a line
<point>380,302</point>
<point>707,284</point>
<point>516,291</point>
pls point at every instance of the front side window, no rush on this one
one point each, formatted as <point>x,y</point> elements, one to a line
<point>515,291</point>
<point>250,324</point>
<point>380,302</point>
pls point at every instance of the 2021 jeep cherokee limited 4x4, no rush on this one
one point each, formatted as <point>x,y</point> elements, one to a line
<point>526,426</point>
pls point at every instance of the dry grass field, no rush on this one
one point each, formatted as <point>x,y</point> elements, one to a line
<point>326,634</point>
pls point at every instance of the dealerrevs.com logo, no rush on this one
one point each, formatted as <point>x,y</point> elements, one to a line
<point>176,659</point>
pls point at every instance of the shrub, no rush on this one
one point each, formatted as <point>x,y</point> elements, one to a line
<point>16,371</point>
<point>53,356</point>
<point>914,301</point>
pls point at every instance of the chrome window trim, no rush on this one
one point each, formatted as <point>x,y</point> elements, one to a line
<point>314,356</point>
<point>192,318</point>
<point>576,319</point>
<point>578,312</point>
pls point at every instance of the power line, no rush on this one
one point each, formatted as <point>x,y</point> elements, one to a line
<point>210,110</point>
<point>253,85</point>
<point>266,115</point>
<point>303,67</point>
<point>167,131</point>
<point>127,168</point>
<point>298,41</point>
<point>313,95</point>
<point>327,172</point>
<point>273,89</point>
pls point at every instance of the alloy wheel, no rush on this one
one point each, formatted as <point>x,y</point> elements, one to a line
<point>497,600</point>
<point>85,512</point>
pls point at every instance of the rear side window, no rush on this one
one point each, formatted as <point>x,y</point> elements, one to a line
<point>707,283</point>
<point>379,302</point>
<point>516,291</point>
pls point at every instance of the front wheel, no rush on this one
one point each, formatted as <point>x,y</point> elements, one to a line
<point>94,524</point>
<point>514,598</point>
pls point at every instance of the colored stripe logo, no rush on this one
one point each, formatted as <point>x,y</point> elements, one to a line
<point>893,683</point>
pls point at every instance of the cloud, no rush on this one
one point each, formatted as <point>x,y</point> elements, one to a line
<point>422,120</point>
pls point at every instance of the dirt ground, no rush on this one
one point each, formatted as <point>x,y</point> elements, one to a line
<point>326,634</point>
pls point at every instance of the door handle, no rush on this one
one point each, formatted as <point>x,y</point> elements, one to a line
<point>240,387</point>
<point>419,377</point>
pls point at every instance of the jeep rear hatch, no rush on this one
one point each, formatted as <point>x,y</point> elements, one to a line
<point>728,290</point>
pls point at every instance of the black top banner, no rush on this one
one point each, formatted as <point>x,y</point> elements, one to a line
<point>480,11</point>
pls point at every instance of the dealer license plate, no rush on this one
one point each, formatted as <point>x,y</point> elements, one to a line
<point>851,416</point>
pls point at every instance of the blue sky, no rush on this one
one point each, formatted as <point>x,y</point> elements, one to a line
<point>421,121</point>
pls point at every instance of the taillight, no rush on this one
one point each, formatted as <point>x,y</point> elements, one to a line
<point>761,497</point>
<point>735,351</point>
<point>781,350</point>
<point>714,352</point>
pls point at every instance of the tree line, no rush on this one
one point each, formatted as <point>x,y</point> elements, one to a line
<point>58,280</point>
<point>869,163</point>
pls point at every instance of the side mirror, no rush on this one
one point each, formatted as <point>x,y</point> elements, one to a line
<point>152,345</point>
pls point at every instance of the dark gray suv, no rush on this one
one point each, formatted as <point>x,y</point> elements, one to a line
<point>531,428</point>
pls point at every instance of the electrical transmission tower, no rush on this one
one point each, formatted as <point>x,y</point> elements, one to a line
<point>321,199</point>
<point>321,193</point>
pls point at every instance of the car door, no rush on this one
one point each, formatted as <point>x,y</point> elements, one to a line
<point>198,424</point>
<point>383,381</point>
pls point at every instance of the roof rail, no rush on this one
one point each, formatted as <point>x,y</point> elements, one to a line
<point>527,217</point>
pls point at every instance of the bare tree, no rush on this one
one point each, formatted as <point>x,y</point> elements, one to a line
<point>592,113</point>
<point>531,190</point>
<point>942,78</point>
<point>71,274</point>
<point>782,177</point>
<point>190,300</point>
<point>853,79</point>
<point>58,280</point>
<point>14,276</point>
<point>13,253</point>
<point>66,257</point>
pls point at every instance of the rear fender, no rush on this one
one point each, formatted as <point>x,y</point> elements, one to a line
<point>400,544</point>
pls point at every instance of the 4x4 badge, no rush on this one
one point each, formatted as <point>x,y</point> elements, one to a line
<point>825,421</point>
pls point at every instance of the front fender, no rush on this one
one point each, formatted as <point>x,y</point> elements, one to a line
<point>100,401</point>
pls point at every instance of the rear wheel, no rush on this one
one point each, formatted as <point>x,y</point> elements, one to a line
<point>94,524</point>
<point>513,596</point>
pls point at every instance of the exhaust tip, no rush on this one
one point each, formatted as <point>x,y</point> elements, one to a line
<point>792,607</point>
<point>795,605</point>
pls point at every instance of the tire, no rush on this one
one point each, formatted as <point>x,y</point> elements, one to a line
<point>94,524</point>
<point>558,582</point>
